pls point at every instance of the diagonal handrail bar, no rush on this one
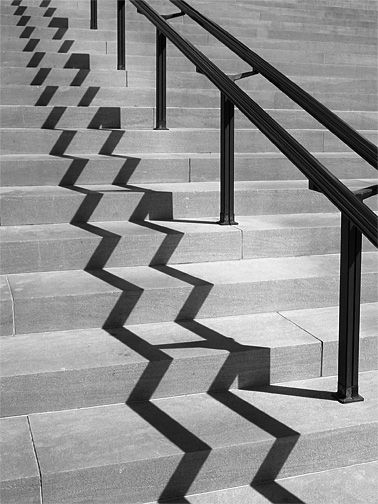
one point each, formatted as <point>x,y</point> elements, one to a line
<point>339,194</point>
<point>359,144</point>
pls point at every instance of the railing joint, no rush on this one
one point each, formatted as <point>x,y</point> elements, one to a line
<point>313,187</point>
<point>243,75</point>
<point>174,15</point>
<point>366,192</point>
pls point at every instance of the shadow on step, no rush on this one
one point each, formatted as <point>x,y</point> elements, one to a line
<point>195,450</point>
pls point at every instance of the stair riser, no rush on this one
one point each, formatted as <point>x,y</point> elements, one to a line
<point>73,142</point>
<point>126,205</point>
<point>75,254</point>
<point>145,49</point>
<point>66,77</point>
<point>140,117</point>
<point>131,250</point>
<point>54,171</point>
<point>51,60</point>
<point>73,206</point>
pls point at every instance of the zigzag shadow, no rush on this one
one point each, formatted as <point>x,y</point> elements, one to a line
<point>195,450</point>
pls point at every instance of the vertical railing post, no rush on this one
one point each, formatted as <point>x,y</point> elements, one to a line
<point>227,215</point>
<point>93,21</point>
<point>121,35</point>
<point>349,312</point>
<point>161,84</point>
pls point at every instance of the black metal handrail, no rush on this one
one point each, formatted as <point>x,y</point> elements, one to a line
<point>363,147</point>
<point>342,197</point>
<point>357,218</point>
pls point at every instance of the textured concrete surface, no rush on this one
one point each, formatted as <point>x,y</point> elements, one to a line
<point>6,314</point>
<point>356,484</point>
<point>70,101</point>
<point>61,370</point>
<point>19,480</point>
<point>136,452</point>
<point>61,246</point>
<point>114,296</point>
<point>323,324</point>
<point>159,201</point>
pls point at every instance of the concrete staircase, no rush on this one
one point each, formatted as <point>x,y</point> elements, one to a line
<point>149,354</point>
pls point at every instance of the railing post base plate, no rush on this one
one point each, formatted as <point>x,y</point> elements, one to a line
<point>346,399</point>
<point>227,222</point>
<point>161,128</point>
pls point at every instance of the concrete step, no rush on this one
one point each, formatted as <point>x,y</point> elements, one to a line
<point>45,170</point>
<point>60,46</point>
<point>57,60</point>
<point>203,442</point>
<point>48,117</point>
<point>95,366</point>
<point>112,297</point>
<point>72,77</point>
<point>353,484</point>
<point>53,205</point>
<point>20,478</point>
<point>64,96</point>
<point>65,246</point>
<point>121,142</point>
<point>187,80</point>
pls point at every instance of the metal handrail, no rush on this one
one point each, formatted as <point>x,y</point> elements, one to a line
<point>342,197</point>
<point>356,218</point>
<point>363,147</point>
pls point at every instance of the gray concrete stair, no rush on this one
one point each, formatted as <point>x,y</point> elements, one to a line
<point>198,443</point>
<point>89,367</point>
<point>178,140</point>
<point>65,247</point>
<point>111,297</point>
<point>78,204</point>
<point>148,354</point>
<point>46,170</point>
<point>355,484</point>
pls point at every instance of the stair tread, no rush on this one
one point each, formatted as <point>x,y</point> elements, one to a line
<point>122,434</point>
<point>81,349</point>
<point>44,284</point>
<point>64,351</point>
<point>66,231</point>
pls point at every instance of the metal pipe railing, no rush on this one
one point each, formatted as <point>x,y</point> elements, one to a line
<point>93,15</point>
<point>121,35</point>
<point>366,149</point>
<point>356,217</point>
